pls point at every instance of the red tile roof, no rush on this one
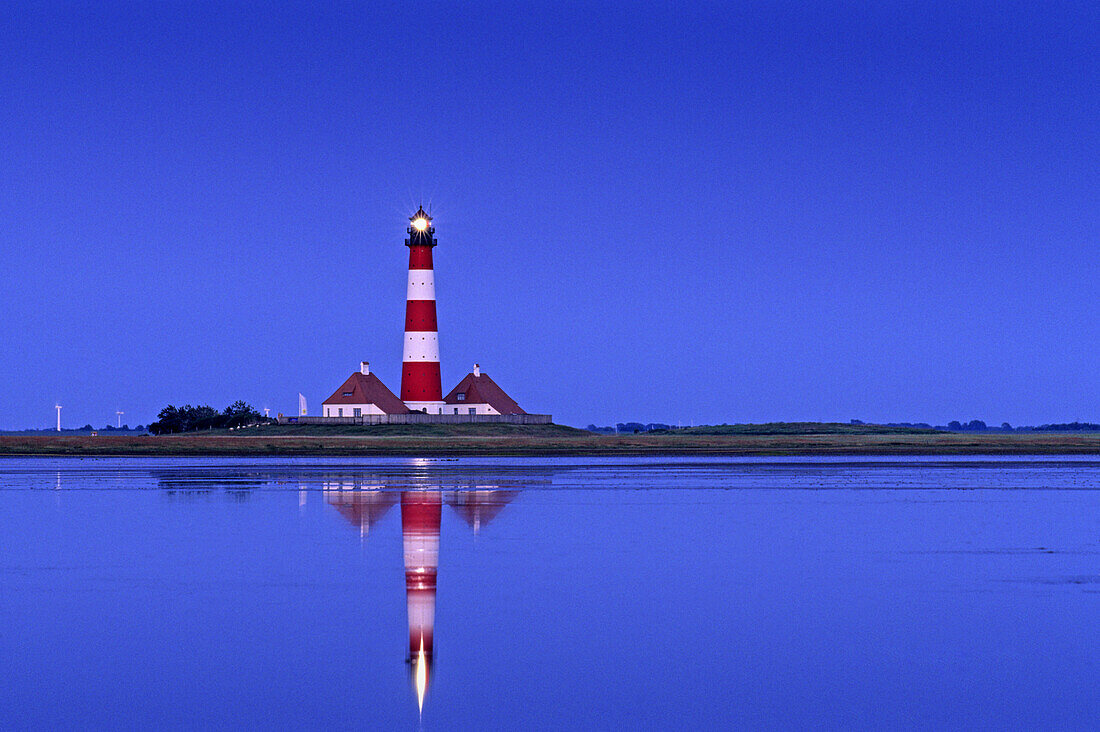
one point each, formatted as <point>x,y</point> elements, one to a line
<point>367,389</point>
<point>483,390</point>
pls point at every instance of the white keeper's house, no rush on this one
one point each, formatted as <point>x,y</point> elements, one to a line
<point>478,394</point>
<point>362,394</point>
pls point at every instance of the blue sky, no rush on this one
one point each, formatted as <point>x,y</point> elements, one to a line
<point>707,213</point>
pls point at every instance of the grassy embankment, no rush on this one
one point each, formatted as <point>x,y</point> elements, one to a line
<point>551,440</point>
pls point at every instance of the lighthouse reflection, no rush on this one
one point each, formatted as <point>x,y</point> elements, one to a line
<point>364,503</point>
<point>421,515</point>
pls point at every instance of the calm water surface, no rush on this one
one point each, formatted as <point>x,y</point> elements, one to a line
<point>549,594</point>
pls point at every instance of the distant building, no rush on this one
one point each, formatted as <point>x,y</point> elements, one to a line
<point>362,394</point>
<point>478,394</point>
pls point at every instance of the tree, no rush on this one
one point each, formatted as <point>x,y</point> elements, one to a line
<point>206,418</point>
<point>240,413</point>
<point>239,407</point>
<point>169,421</point>
<point>188,418</point>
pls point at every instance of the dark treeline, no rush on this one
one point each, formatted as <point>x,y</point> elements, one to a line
<point>977,425</point>
<point>629,427</point>
<point>86,429</point>
<point>172,420</point>
<point>974,425</point>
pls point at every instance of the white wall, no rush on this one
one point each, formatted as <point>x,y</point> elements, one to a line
<point>465,407</point>
<point>428,407</point>
<point>332,410</point>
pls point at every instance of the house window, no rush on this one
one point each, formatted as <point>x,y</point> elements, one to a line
<point>460,397</point>
<point>473,410</point>
<point>340,412</point>
<point>357,412</point>
<point>456,410</point>
<point>347,393</point>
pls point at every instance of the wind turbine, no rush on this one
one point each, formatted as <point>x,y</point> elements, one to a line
<point>58,408</point>
<point>119,413</point>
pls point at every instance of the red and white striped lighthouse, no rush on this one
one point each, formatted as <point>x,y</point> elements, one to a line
<point>421,386</point>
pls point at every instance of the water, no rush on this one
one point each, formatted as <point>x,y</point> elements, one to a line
<point>572,593</point>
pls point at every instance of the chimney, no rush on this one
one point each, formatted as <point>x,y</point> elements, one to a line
<point>477,369</point>
<point>364,367</point>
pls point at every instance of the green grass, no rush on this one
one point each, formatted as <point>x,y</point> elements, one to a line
<point>408,430</point>
<point>557,430</point>
<point>469,430</point>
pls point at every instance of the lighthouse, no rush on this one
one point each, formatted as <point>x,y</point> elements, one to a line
<point>421,386</point>
<point>364,400</point>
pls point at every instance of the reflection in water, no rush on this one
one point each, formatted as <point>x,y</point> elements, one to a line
<point>420,519</point>
<point>480,505</point>
<point>365,498</point>
<point>217,614</point>
<point>364,502</point>
<point>237,484</point>
<point>362,508</point>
